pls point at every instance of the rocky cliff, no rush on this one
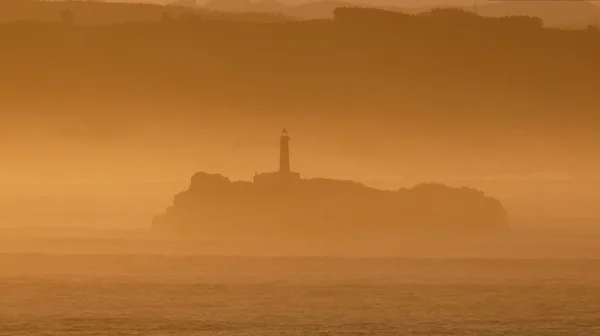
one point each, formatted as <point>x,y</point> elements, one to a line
<point>215,206</point>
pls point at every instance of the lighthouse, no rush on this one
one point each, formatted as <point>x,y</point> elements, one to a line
<point>284,176</point>
<point>284,152</point>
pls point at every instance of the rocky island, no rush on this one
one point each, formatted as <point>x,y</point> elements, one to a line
<point>282,204</point>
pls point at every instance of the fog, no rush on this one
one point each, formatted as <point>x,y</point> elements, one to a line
<point>98,173</point>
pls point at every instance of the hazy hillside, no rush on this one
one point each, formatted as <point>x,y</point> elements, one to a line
<point>564,14</point>
<point>554,13</point>
<point>511,72</point>
<point>393,60</point>
<point>93,13</point>
<point>370,94</point>
<point>568,14</point>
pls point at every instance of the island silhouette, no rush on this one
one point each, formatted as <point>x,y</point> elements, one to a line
<point>282,203</point>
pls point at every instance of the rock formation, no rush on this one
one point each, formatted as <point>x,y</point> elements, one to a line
<point>283,204</point>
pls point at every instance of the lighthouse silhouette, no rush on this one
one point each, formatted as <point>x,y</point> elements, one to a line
<point>284,176</point>
<point>284,152</point>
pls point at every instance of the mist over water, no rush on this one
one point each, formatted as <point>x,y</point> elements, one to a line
<point>169,295</point>
<point>128,282</point>
<point>117,114</point>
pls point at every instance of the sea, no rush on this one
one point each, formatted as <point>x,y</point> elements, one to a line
<point>80,286</point>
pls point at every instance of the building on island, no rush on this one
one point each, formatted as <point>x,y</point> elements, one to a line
<point>281,204</point>
<point>284,176</point>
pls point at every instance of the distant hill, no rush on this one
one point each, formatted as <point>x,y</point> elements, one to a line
<point>85,12</point>
<point>554,13</point>
<point>568,14</point>
<point>307,11</point>
<point>490,84</point>
<point>93,13</point>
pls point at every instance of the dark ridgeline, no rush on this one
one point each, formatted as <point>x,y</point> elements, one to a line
<point>448,73</point>
<point>285,205</point>
<point>484,72</point>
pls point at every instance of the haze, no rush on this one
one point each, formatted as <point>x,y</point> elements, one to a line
<point>232,167</point>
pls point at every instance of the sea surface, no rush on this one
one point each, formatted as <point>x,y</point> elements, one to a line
<point>150,294</point>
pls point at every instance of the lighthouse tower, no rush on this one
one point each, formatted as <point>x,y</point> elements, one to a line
<point>284,176</point>
<point>284,152</point>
